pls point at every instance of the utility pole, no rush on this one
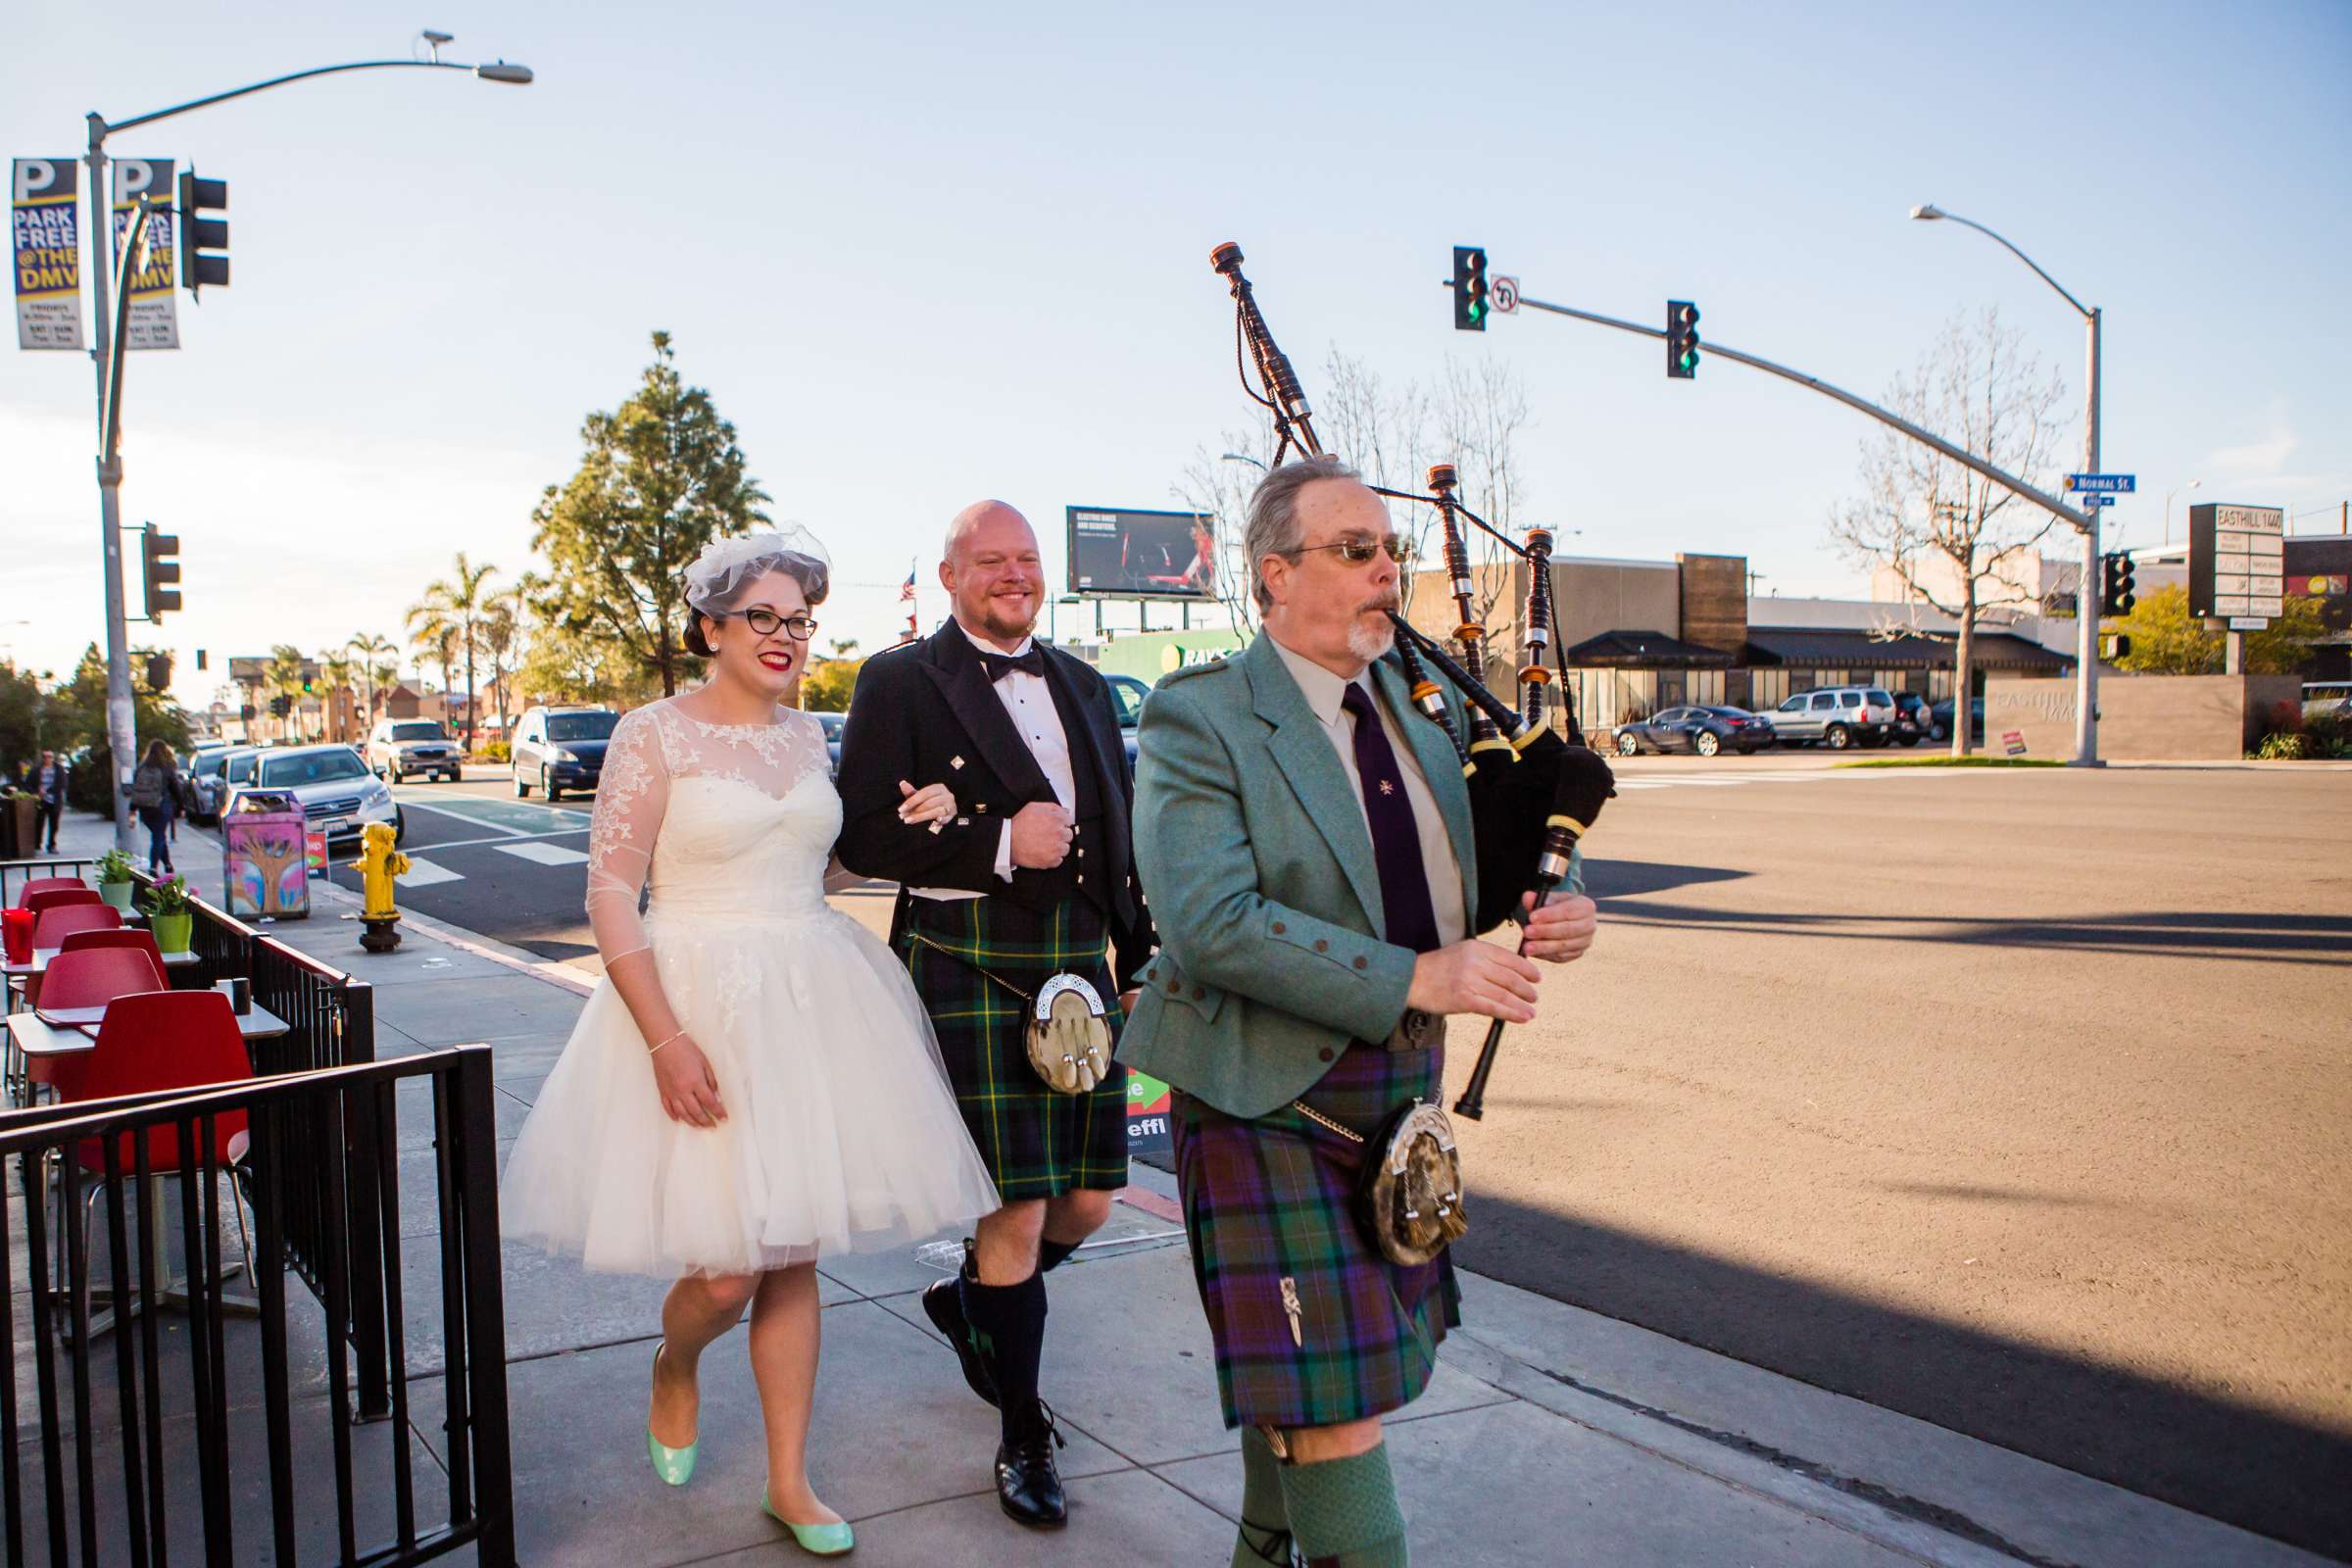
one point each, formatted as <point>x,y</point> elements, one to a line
<point>122,729</point>
<point>2087,597</point>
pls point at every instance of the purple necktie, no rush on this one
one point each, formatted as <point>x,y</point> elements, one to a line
<point>1395,840</point>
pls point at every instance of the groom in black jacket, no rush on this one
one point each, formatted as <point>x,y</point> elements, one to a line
<point>1032,877</point>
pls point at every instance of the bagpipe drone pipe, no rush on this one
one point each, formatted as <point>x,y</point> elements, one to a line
<point>1534,793</point>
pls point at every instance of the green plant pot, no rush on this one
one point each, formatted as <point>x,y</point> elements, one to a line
<point>116,893</point>
<point>173,931</point>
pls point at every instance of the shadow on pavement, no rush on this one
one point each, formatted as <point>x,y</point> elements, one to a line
<point>1622,879</point>
<point>2247,1467</point>
<point>2299,938</point>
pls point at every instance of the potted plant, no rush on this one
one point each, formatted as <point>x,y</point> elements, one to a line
<point>168,916</point>
<point>114,879</point>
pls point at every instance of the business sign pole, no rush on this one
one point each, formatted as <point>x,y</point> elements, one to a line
<point>122,737</point>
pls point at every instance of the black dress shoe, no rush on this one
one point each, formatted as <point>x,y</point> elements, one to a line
<point>1028,1484</point>
<point>943,1304</point>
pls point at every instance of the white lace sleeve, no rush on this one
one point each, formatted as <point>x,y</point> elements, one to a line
<point>630,798</point>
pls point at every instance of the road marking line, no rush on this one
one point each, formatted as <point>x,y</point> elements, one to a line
<point>468,844</point>
<point>425,874</point>
<point>543,854</point>
<point>469,821</point>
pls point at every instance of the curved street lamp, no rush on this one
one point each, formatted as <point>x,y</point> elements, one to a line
<point>2194,484</point>
<point>120,721</point>
<point>2086,650</point>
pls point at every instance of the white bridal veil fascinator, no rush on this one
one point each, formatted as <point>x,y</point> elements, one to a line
<point>717,576</point>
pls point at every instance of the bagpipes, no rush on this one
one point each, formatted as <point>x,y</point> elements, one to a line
<point>1533,793</point>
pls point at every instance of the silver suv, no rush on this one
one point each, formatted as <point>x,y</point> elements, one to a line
<point>1838,716</point>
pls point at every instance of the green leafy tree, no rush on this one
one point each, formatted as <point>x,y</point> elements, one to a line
<point>23,730</point>
<point>456,606</point>
<point>827,687</point>
<point>282,677</point>
<point>74,717</point>
<point>658,479</point>
<point>435,636</point>
<point>500,638</point>
<point>2165,640</point>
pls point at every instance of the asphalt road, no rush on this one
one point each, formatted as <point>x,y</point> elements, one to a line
<point>2019,1100</point>
<point>2016,1100</point>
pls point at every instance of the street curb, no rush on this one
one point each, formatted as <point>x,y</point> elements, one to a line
<point>564,976</point>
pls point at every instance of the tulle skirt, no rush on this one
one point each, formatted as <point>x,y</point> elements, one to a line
<point>841,1134</point>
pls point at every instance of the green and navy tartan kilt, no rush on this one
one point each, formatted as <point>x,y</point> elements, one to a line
<point>1037,1143</point>
<point>1270,1202</point>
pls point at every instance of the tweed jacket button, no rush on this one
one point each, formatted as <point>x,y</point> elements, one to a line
<point>1175,988</point>
<point>1280,928</point>
<point>1322,945</point>
<point>1323,1055</point>
<point>1200,992</point>
<point>1364,963</point>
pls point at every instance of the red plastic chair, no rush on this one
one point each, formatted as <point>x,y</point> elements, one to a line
<point>45,884</point>
<point>124,936</point>
<point>86,978</point>
<point>162,1040</point>
<point>54,898</point>
<point>51,928</point>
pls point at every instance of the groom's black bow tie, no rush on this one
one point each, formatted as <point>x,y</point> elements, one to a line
<point>1000,665</point>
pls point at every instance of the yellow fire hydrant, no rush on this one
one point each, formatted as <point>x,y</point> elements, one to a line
<point>378,863</point>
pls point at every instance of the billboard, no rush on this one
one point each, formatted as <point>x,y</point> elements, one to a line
<point>1121,553</point>
<point>45,229</point>
<point>2237,567</point>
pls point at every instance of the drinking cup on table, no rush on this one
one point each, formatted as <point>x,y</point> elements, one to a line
<point>16,934</point>
<point>240,993</point>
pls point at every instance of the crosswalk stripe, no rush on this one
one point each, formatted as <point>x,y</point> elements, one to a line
<point>542,853</point>
<point>422,873</point>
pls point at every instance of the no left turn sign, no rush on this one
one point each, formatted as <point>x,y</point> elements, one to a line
<point>1503,294</point>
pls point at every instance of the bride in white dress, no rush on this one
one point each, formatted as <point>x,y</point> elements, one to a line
<point>755,1084</point>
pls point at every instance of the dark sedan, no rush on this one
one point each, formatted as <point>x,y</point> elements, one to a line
<point>1704,731</point>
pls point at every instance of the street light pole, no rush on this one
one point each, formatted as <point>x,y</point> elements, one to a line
<point>2086,591</point>
<point>2192,484</point>
<point>122,729</point>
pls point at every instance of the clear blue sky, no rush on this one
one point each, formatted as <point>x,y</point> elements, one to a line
<point>925,255</point>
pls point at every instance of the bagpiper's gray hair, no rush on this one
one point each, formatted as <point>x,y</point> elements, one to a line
<point>1273,527</point>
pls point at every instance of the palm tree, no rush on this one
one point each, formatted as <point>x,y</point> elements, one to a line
<point>336,670</point>
<point>283,678</point>
<point>501,632</point>
<point>375,659</point>
<point>454,605</point>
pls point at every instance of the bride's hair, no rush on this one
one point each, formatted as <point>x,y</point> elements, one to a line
<point>720,576</point>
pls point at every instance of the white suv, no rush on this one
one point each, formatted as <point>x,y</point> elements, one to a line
<point>1838,716</point>
<point>335,788</point>
<point>399,747</point>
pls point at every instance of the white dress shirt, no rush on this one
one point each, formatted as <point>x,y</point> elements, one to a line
<point>1029,702</point>
<point>1325,693</point>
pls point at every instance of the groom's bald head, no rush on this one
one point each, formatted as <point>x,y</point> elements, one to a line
<point>991,567</point>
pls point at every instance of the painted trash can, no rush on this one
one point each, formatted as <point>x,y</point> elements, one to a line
<point>262,868</point>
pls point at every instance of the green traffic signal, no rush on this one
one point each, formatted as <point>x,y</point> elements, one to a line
<point>1682,340</point>
<point>1469,289</point>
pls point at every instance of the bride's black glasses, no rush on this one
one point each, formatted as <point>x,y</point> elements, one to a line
<point>766,623</point>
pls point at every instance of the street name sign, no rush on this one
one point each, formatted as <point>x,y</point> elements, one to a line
<point>2093,500</point>
<point>2237,563</point>
<point>2103,484</point>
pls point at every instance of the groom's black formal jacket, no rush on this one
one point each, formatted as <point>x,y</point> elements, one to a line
<point>927,714</point>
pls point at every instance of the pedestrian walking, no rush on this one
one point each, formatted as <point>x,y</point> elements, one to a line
<point>753,1085</point>
<point>49,785</point>
<point>1307,840</point>
<point>155,797</point>
<point>1005,908</point>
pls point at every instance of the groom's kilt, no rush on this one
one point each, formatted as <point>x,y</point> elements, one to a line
<point>1272,1200</point>
<point>1037,1143</point>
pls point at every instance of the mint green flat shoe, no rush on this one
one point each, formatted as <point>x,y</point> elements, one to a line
<point>819,1540</point>
<point>676,1466</point>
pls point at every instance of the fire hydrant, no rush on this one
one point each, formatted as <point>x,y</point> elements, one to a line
<point>378,863</point>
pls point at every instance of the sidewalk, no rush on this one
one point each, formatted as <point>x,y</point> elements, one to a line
<point>1551,1435</point>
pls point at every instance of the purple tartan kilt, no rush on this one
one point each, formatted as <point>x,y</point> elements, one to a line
<point>1274,1199</point>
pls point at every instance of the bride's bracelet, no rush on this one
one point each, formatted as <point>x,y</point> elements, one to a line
<point>651,1049</point>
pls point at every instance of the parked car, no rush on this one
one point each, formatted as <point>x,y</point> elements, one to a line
<point>1939,722</point>
<point>1912,724</point>
<point>1127,694</point>
<point>1704,731</point>
<point>561,749</point>
<point>339,792</point>
<point>399,747</point>
<point>205,781</point>
<point>2327,699</point>
<point>1837,716</point>
<point>833,725</point>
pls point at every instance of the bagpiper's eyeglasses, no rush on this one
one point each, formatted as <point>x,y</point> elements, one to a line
<point>765,622</point>
<point>1356,552</point>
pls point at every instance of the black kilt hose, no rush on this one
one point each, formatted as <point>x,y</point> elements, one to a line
<point>1037,1144</point>
<point>1313,1325</point>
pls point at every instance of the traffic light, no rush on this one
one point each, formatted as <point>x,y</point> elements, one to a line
<point>280,705</point>
<point>157,566</point>
<point>1682,340</point>
<point>1469,289</point>
<point>2115,647</point>
<point>202,241</point>
<point>2116,597</point>
<point>159,672</point>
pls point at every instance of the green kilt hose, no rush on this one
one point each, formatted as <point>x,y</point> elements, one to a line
<point>1270,1204</point>
<point>1035,1142</point>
